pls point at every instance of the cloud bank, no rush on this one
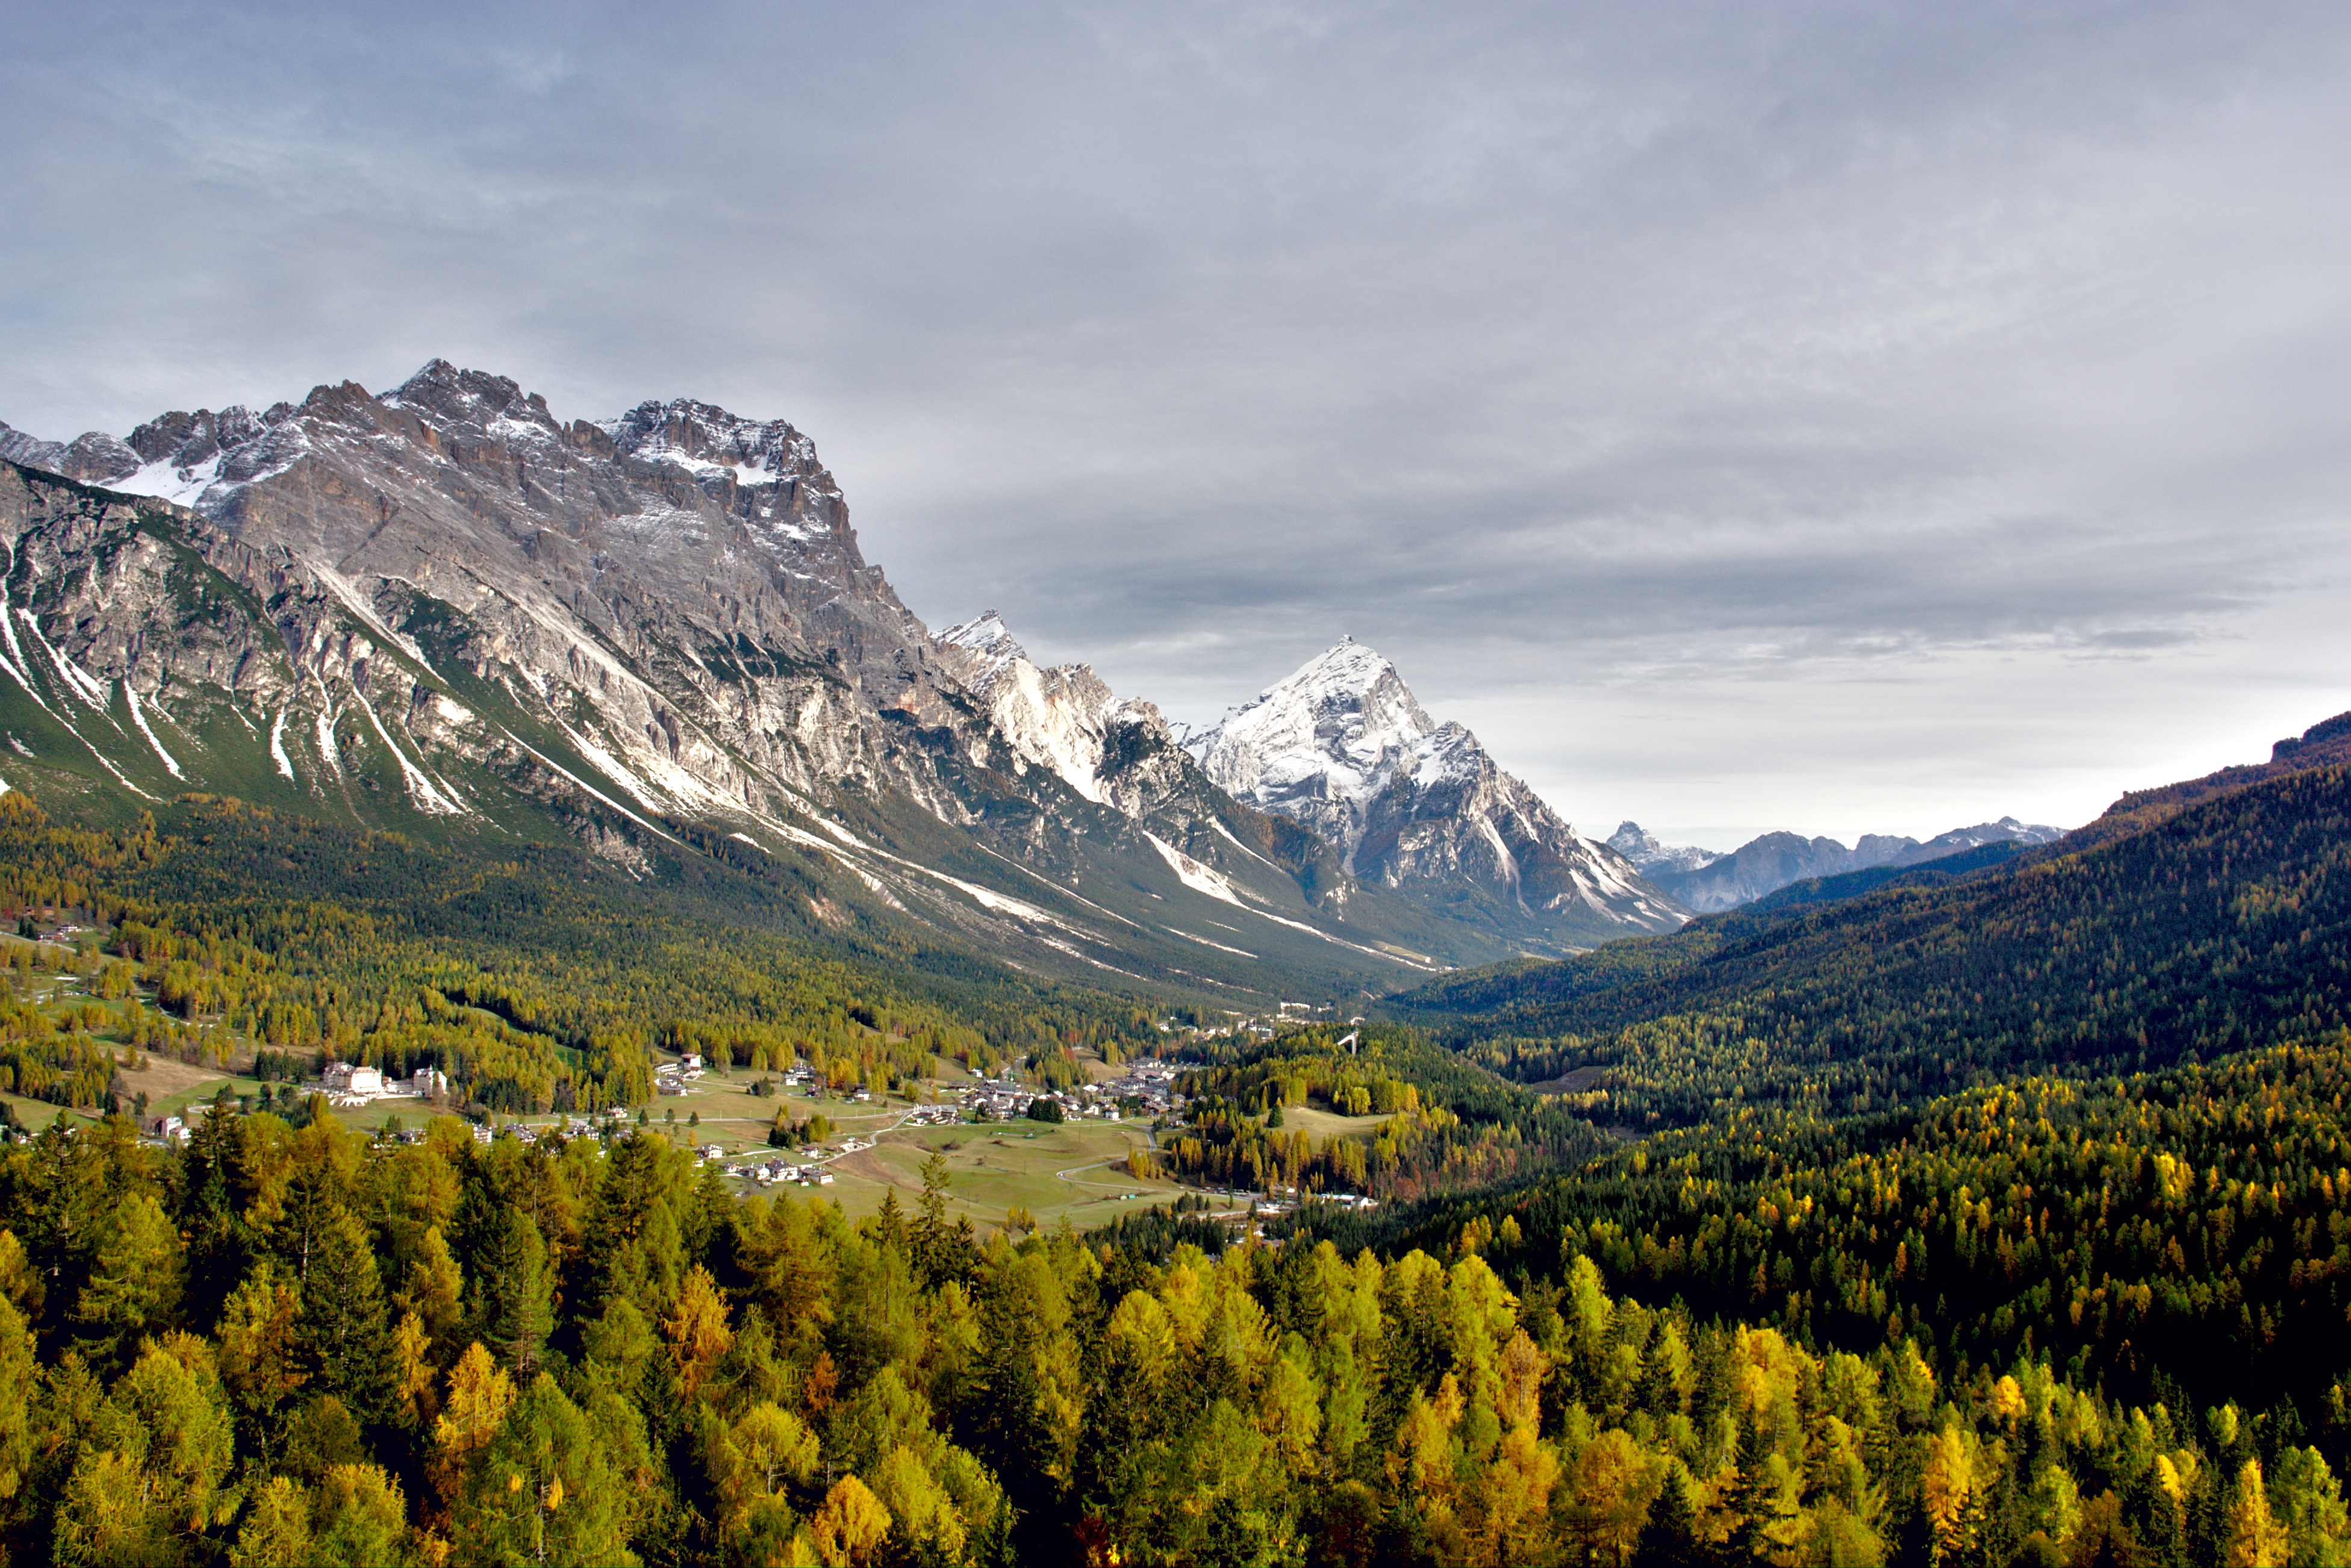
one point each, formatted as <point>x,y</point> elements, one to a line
<point>1839,417</point>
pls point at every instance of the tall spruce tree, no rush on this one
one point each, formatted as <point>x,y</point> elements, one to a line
<point>344,1332</point>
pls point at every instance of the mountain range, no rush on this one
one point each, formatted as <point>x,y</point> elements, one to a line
<point>446,611</point>
<point>2202,917</point>
<point>1710,882</point>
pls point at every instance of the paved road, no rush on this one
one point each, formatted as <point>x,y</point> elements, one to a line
<point>1069,1175</point>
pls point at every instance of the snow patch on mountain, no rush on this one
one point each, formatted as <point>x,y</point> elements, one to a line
<point>707,439</point>
<point>131,696</point>
<point>167,481</point>
<point>1193,874</point>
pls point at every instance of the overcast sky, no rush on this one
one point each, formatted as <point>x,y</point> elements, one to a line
<point>1838,417</point>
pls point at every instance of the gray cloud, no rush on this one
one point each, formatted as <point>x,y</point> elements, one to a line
<point>1841,416</point>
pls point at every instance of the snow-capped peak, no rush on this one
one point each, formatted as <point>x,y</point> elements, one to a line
<point>1055,718</point>
<point>1340,728</point>
<point>1343,747</point>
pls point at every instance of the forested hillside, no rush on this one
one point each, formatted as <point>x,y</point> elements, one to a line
<point>2181,1230</point>
<point>1437,1124</point>
<point>534,982</point>
<point>2221,927</point>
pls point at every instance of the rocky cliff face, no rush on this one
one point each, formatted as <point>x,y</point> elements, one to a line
<point>94,457</point>
<point>676,593</point>
<point>1420,807</point>
<point>446,605</point>
<point>1121,753</point>
<point>1065,719</point>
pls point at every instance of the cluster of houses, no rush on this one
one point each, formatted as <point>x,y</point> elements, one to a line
<point>485,1134</point>
<point>992,1100</point>
<point>1266,1205</point>
<point>672,1076</point>
<point>1148,1081</point>
<point>347,1087</point>
<point>802,1079</point>
<point>1149,1084</point>
<point>774,1171</point>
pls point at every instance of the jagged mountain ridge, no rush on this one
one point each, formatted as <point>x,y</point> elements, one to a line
<point>1420,807</point>
<point>1764,865</point>
<point>1065,719</point>
<point>1122,753</point>
<point>446,606</point>
<point>1650,854</point>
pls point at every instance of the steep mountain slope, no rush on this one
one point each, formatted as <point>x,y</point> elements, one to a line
<point>2225,925</point>
<point>1712,883</point>
<point>447,611</point>
<point>1420,808</point>
<point>1122,755</point>
<point>2323,744</point>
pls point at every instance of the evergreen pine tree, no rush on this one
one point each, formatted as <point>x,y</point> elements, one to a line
<point>513,1292</point>
<point>1669,1539</point>
<point>344,1332</point>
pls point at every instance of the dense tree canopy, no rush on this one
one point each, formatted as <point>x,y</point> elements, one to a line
<point>2225,925</point>
<point>504,1352</point>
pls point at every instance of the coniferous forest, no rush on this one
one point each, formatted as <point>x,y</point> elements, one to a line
<point>1988,1220</point>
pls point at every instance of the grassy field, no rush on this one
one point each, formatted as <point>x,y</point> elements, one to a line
<point>35,1114</point>
<point>1323,1123</point>
<point>1076,1170</point>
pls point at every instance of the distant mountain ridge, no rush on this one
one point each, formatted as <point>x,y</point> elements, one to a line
<point>1645,850</point>
<point>1711,882</point>
<point>1922,873</point>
